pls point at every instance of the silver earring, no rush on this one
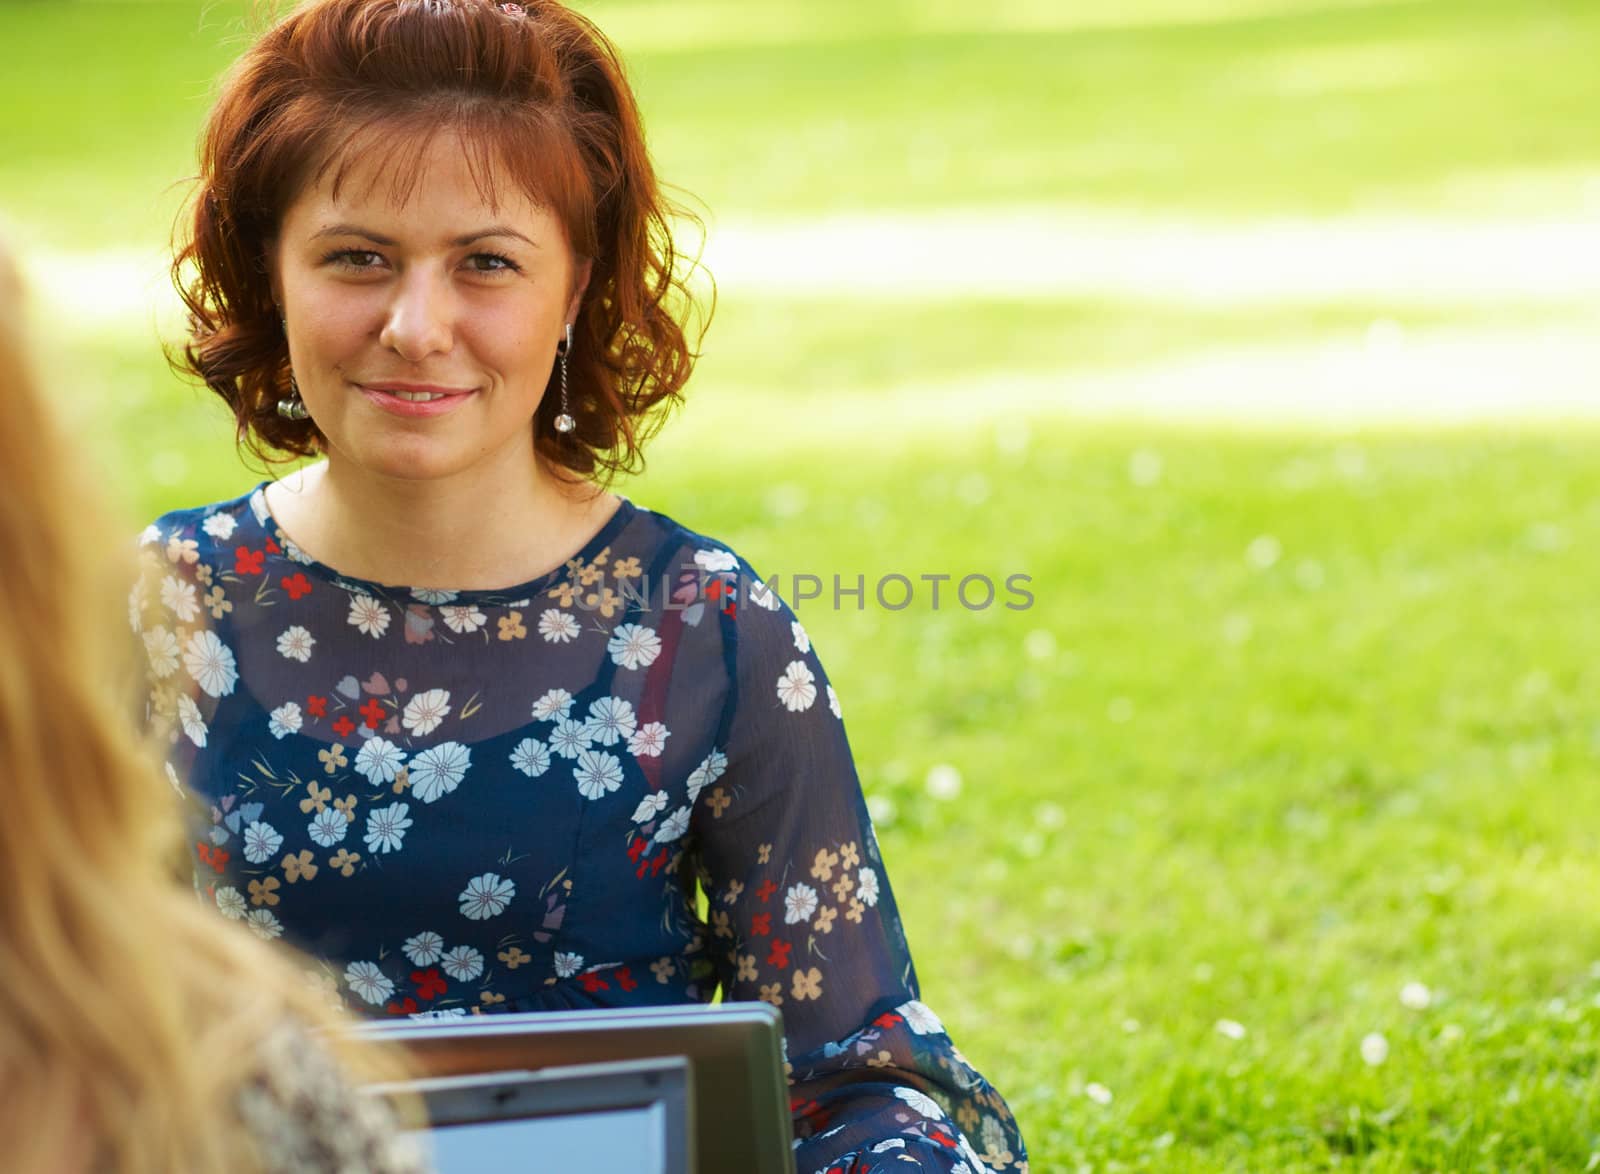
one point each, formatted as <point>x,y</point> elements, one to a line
<point>293,408</point>
<point>564,422</point>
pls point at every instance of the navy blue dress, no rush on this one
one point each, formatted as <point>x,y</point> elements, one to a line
<point>467,802</point>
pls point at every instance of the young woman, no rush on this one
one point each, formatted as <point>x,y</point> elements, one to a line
<point>135,1033</point>
<point>472,727</point>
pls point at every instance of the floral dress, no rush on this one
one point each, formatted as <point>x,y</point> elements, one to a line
<point>626,783</point>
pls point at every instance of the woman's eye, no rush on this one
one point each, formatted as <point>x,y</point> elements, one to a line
<point>356,258</point>
<point>491,263</point>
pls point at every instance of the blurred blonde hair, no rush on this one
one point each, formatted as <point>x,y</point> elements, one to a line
<point>129,1013</point>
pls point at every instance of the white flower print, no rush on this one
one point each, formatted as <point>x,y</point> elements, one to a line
<point>597,772</point>
<point>136,608</point>
<point>556,703</point>
<point>261,842</point>
<point>210,662</point>
<point>994,1135</point>
<point>557,626</point>
<point>367,981</point>
<point>568,964</point>
<point>708,772</point>
<point>801,640</point>
<point>386,827</point>
<point>867,887</point>
<point>486,896</point>
<point>264,924</point>
<point>799,903</point>
<point>650,806</point>
<point>531,757</point>
<point>193,724</point>
<point>833,703</point>
<point>430,595</point>
<point>673,827</point>
<point>295,644</point>
<point>219,526</point>
<point>285,720</point>
<point>610,718</point>
<point>380,760</point>
<point>463,964</point>
<point>570,738</point>
<point>180,598</point>
<point>921,1102</point>
<point>920,1018</point>
<point>634,646</point>
<point>161,647</point>
<point>795,688</point>
<point>150,534</point>
<point>763,596</point>
<point>464,619</point>
<point>424,949</point>
<point>230,903</point>
<point>649,740</point>
<point>425,711</point>
<point>368,616</point>
<point>439,770</point>
<point>328,827</point>
<point>715,560</point>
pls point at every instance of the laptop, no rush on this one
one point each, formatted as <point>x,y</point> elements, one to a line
<point>733,1050</point>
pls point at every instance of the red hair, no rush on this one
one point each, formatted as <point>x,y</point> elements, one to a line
<point>539,97</point>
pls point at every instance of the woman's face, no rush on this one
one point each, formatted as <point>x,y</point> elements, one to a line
<point>423,332</point>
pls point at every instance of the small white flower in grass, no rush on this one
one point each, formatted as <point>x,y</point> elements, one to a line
<point>380,760</point>
<point>425,711</point>
<point>531,757</point>
<point>650,806</point>
<point>833,703</point>
<point>179,597</point>
<point>161,648</point>
<point>799,903</point>
<point>568,964</point>
<point>328,827</point>
<point>557,626</point>
<point>424,949</point>
<point>439,770</point>
<point>1451,1033</point>
<point>943,782</point>
<point>801,640</point>
<point>264,924</point>
<point>295,643</point>
<point>673,827</point>
<point>611,719</point>
<point>194,725</point>
<point>285,720</point>
<point>867,887</point>
<point>210,662</point>
<point>797,688</point>
<point>708,772</point>
<point>368,616</point>
<point>1231,1028</point>
<point>486,896</point>
<point>921,1102</point>
<point>386,827</point>
<point>649,740</point>
<point>463,620</point>
<point>634,646</point>
<point>433,595</point>
<point>920,1018</point>
<point>261,842</point>
<point>1097,1092</point>
<point>1264,552</point>
<point>463,964</point>
<point>597,773</point>
<point>368,982</point>
<point>1415,996</point>
<point>1374,1049</point>
<point>715,560</point>
<point>230,903</point>
<point>219,526</point>
<point>570,737</point>
<point>557,703</point>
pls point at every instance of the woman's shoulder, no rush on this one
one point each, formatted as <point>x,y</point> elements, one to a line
<point>191,528</point>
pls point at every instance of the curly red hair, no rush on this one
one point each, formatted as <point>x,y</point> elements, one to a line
<point>539,97</point>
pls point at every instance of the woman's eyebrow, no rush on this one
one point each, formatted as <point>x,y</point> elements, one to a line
<point>459,242</point>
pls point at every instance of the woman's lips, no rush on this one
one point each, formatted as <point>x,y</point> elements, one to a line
<point>415,399</point>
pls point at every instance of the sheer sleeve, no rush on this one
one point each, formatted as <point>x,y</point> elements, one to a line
<point>801,916</point>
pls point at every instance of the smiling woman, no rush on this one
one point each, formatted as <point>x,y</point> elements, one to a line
<point>474,732</point>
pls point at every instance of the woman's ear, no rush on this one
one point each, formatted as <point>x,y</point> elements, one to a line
<point>580,283</point>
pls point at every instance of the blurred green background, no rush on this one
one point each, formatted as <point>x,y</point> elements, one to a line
<point>1260,333</point>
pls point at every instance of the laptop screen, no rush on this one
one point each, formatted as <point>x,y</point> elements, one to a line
<point>632,1139</point>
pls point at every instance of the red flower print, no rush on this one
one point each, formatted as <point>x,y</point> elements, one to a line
<point>409,1007</point>
<point>780,955</point>
<point>593,983</point>
<point>273,547</point>
<point>317,706</point>
<point>657,864</point>
<point>247,561</point>
<point>373,712</point>
<point>297,585</point>
<point>344,727</point>
<point>638,848</point>
<point>766,890</point>
<point>887,1020</point>
<point>761,924</point>
<point>429,984</point>
<point>626,981</point>
<point>220,858</point>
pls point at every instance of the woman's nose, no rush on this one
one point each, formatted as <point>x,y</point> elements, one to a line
<point>420,319</point>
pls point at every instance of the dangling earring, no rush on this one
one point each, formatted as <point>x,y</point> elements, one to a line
<point>564,422</point>
<point>293,408</point>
